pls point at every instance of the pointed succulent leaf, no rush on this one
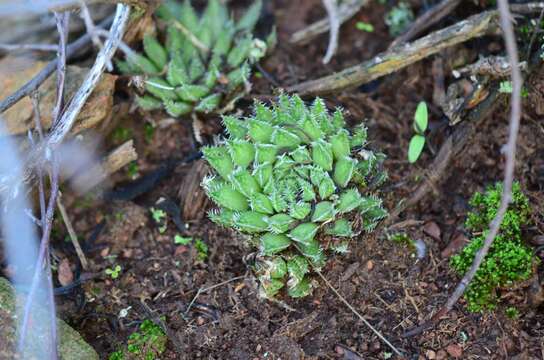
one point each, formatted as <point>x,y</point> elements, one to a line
<point>274,243</point>
<point>224,39</point>
<point>261,203</point>
<point>238,76</point>
<point>249,19</point>
<point>220,160</point>
<point>242,152</point>
<point>215,15</point>
<point>244,182</point>
<point>285,139</point>
<point>277,268</point>
<point>297,268</point>
<point>251,222</point>
<point>324,211</point>
<point>176,74</point>
<point>222,217</point>
<point>300,210</point>
<point>326,188</point>
<point>209,103</point>
<point>322,155</point>
<point>143,64</point>
<point>280,223</point>
<point>177,108</point>
<point>265,153</point>
<point>196,68</point>
<point>236,129</point>
<point>225,196</point>
<point>278,200</point>
<point>311,128</point>
<point>301,289</point>
<point>358,138</point>
<point>349,201</point>
<point>313,252</point>
<point>263,174</point>
<point>343,171</point>
<point>259,131</point>
<point>191,93</point>
<point>148,102</point>
<point>340,228</point>
<point>301,155</point>
<point>307,192</point>
<point>340,144</point>
<point>160,88</point>
<point>270,286</point>
<point>304,233</point>
<point>338,119</point>
<point>155,52</point>
<point>174,39</point>
<point>239,52</point>
<point>368,203</point>
<point>263,113</point>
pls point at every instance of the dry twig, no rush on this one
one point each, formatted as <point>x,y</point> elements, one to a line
<point>332,12</point>
<point>72,234</point>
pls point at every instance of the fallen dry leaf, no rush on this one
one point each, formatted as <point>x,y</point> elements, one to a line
<point>19,118</point>
<point>459,240</point>
<point>433,230</point>
<point>64,273</point>
<point>455,351</point>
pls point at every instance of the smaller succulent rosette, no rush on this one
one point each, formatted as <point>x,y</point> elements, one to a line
<point>294,178</point>
<point>205,62</point>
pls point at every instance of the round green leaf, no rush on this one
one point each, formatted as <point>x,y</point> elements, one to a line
<point>415,148</point>
<point>421,118</point>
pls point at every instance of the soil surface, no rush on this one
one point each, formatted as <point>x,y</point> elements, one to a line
<point>209,306</point>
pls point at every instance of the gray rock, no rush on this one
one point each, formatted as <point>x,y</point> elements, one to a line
<point>72,346</point>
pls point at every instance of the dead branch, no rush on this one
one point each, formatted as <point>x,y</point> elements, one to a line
<point>425,21</point>
<point>59,132</point>
<point>62,28</point>
<point>345,11</point>
<point>393,60</point>
<point>33,47</point>
<point>72,233</point>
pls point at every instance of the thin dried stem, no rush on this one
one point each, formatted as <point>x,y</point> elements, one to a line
<point>34,47</point>
<point>365,321</point>
<point>62,28</point>
<point>334,21</point>
<point>72,234</point>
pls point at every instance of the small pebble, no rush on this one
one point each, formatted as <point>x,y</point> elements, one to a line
<point>455,351</point>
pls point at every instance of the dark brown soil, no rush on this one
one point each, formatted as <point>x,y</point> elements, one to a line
<point>384,281</point>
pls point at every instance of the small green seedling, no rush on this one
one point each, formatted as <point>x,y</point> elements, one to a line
<point>421,120</point>
<point>505,87</point>
<point>133,170</point>
<point>114,273</point>
<point>512,312</point>
<point>148,343</point>
<point>182,240</point>
<point>201,249</point>
<point>364,26</point>
<point>399,18</point>
<point>159,216</point>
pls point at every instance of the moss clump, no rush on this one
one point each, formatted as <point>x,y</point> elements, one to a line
<point>148,343</point>
<point>205,62</point>
<point>289,175</point>
<point>509,260</point>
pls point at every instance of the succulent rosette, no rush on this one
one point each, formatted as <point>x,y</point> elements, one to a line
<point>294,178</point>
<point>205,62</point>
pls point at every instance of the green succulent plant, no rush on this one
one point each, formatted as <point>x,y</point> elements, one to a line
<point>204,63</point>
<point>296,180</point>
